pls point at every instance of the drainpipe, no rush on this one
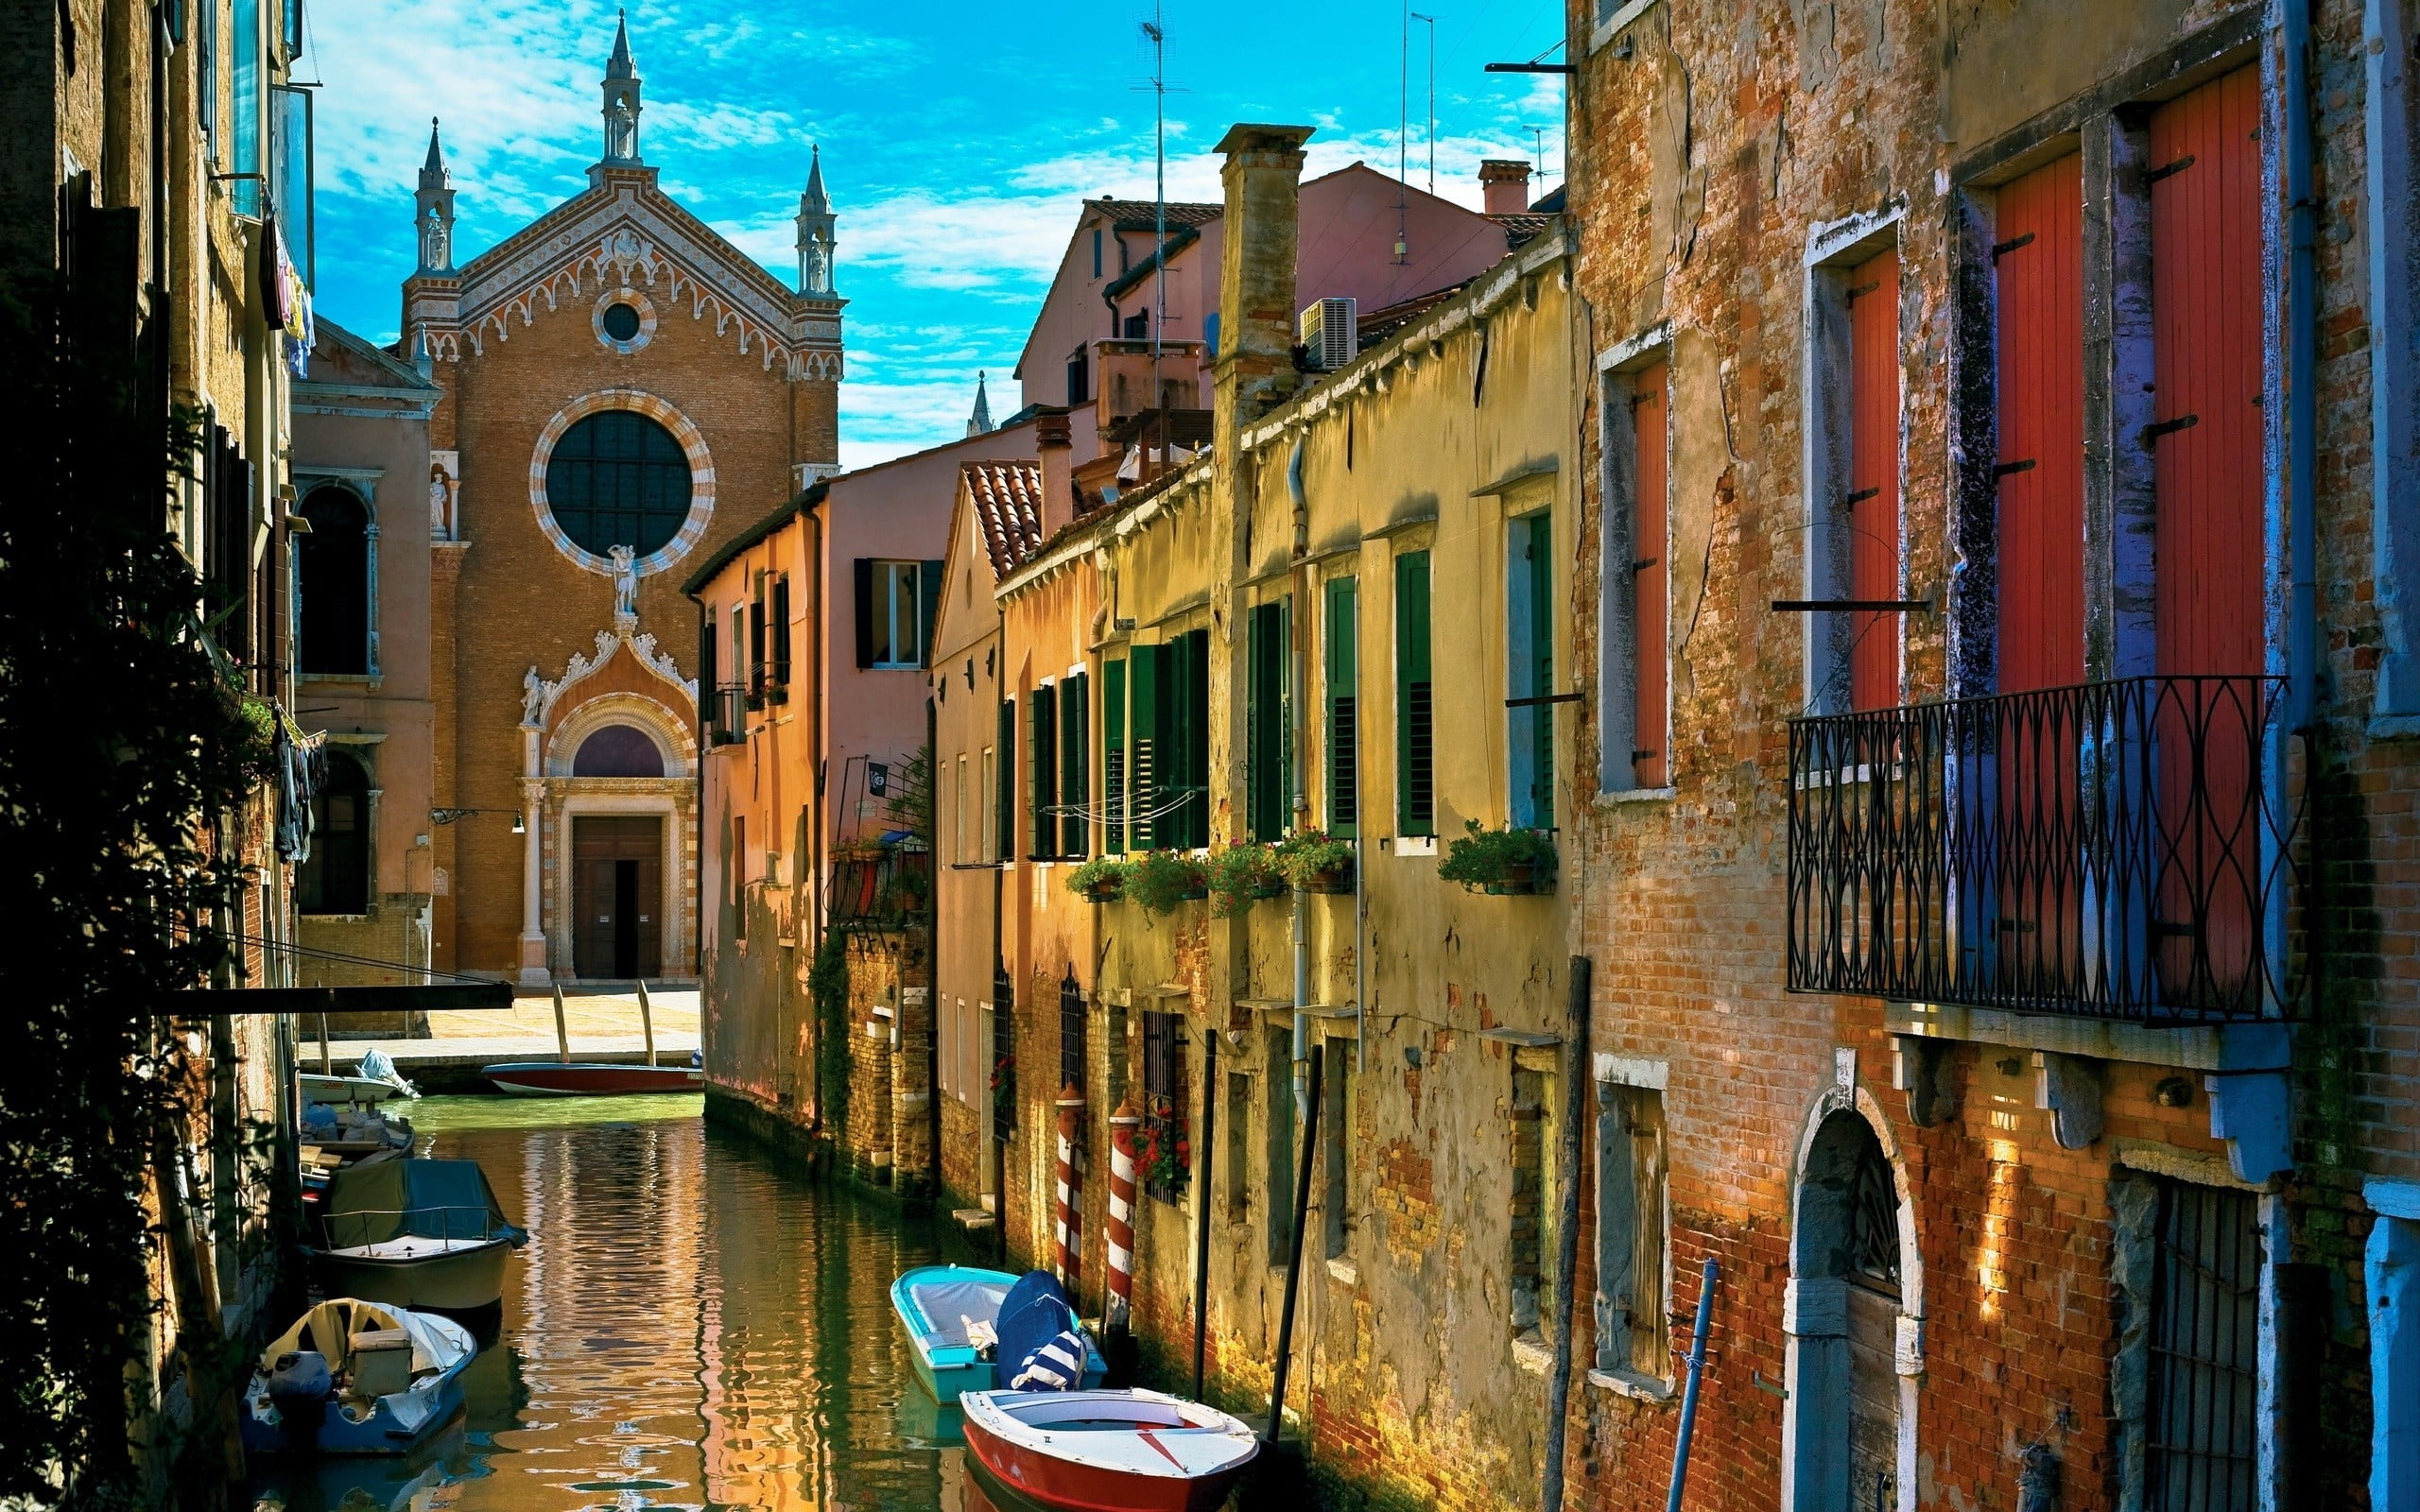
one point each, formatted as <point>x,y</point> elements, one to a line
<point>1302,914</point>
<point>2302,400</point>
<point>1566,1258</point>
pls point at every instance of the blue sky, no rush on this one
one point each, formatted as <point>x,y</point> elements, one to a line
<point>957,140</point>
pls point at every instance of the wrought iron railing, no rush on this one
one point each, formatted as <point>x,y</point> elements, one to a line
<point>880,887</point>
<point>2115,850</point>
<point>727,713</point>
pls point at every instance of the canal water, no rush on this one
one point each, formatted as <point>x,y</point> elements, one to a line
<point>688,1327</point>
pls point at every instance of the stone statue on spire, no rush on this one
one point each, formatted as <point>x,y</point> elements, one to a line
<point>621,86</point>
<point>433,208</point>
<point>815,241</point>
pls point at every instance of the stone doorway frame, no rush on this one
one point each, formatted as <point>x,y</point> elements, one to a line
<point>1815,1427</point>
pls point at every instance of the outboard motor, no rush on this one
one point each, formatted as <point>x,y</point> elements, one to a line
<point>299,1386</point>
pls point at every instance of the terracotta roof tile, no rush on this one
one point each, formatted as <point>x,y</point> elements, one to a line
<point>1521,229</point>
<point>1180,212</point>
<point>1007,504</point>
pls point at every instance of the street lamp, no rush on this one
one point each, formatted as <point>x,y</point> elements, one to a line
<point>449,815</point>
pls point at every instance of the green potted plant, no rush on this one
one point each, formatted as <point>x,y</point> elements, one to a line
<point>1316,861</point>
<point>1509,862</point>
<point>1160,879</point>
<point>1241,874</point>
<point>1102,879</point>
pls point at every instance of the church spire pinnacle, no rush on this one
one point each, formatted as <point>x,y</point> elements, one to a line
<point>816,238</point>
<point>433,208</point>
<point>979,423</point>
<point>621,87</point>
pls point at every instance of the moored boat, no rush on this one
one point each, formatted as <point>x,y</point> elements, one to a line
<point>556,1079</point>
<point>1131,1451</point>
<point>952,1318</point>
<point>332,1089</point>
<point>353,1377</point>
<point>421,1234</point>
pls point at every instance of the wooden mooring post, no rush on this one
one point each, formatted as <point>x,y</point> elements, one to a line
<point>563,1033</point>
<point>647,1021</point>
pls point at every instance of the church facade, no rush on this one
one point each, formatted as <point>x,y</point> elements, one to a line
<point>621,391</point>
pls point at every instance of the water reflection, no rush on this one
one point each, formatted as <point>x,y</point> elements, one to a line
<point>687,1328</point>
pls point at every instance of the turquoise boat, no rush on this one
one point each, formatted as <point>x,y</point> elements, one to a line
<point>938,1305</point>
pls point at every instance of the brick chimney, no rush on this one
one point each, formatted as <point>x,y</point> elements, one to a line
<point>1052,438</point>
<point>1504,181</point>
<point>1255,368</point>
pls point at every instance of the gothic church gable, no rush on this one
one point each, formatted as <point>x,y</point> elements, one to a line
<point>626,233</point>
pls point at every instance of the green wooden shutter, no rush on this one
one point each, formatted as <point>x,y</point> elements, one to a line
<point>1344,712</point>
<point>1075,781</point>
<point>1145,782</point>
<point>1113,756</point>
<point>1004,779</point>
<point>1042,828</point>
<point>1265,672</point>
<point>1415,734</point>
<point>1539,567</point>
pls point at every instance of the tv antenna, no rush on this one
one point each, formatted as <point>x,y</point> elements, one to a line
<point>1431,22</point>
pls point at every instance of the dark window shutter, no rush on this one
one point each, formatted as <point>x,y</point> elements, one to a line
<point>1264,653</point>
<point>1075,781</point>
<point>928,599</point>
<point>1113,756</point>
<point>1344,713</point>
<point>1042,837</point>
<point>865,612</point>
<point>780,628</point>
<point>756,659</point>
<point>1415,744</point>
<point>1186,708</point>
<point>1004,779</point>
<point>708,705</point>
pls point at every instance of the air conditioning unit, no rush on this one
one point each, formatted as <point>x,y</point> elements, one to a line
<point>1331,331</point>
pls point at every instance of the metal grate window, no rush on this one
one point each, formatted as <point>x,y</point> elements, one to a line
<point>1873,1221</point>
<point>1071,1032</point>
<point>1004,1056</point>
<point>2203,1440</point>
<point>1165,1103</point>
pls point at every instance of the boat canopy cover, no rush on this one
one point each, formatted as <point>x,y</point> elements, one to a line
<point>422,1198</point>
<point>948,1305</point>
<point>329,1328</point>
<point>1034,1314</point>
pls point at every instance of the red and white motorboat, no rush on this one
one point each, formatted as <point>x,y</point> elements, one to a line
<point>557,1078</point>
<point>1131,1451</point>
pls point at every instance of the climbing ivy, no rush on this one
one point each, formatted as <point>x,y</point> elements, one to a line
<point>126,757</point>
<point>828,982</point>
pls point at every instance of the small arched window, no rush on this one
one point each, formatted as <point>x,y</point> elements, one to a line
<point>617,478</point>
<point>618,751</point>
<point>335,879</point>
<point>332,563</point>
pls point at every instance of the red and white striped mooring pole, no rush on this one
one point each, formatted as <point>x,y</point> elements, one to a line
<point>1071,1233</point>
<point>1122,1125</point>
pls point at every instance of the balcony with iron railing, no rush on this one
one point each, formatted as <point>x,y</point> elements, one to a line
<point>2119,850</point>
<point>727,714</point>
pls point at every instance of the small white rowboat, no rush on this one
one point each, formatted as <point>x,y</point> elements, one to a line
<point>1108,1451</point>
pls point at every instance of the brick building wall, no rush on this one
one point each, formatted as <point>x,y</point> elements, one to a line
<point>1722,166</point>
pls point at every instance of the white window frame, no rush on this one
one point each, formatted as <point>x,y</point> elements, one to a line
<point>887,576</point>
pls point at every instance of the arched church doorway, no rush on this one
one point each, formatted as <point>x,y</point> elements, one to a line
<point>618,893</point>
<point>1846,1391</point>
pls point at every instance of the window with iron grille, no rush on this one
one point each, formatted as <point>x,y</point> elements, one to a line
<point>1004,1056</point>
<point>1071,1032</point>
<point>1166,1148</point>
<point>1874,1222</point>
<point>2202,1443</point>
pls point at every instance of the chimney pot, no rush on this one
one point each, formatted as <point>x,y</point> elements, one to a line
<point>1505,182</point>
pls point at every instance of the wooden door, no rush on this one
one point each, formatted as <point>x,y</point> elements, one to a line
<point>617,896</point>
<point>1874,478</point>
<point>2208,609</point>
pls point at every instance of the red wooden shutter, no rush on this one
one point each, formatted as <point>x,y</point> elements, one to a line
<point>1874,478</point>
<point>2205,366</point>
<point>2206,441</point>
<point>1651,728</point>
<point>2038,266</point>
